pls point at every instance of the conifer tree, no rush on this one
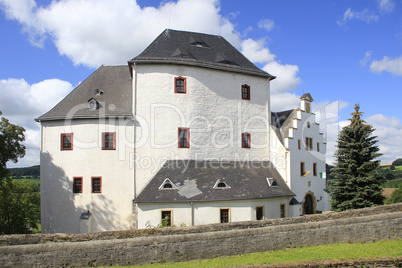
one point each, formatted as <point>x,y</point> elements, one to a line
<point>356,183</point>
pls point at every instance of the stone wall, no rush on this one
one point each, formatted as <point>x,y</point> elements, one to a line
<point>200,242</point>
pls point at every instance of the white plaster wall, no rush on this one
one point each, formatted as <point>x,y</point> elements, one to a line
<point>212,108</point>
<point>209,212</point>
<point>298,184</point>
<point>111,209</point>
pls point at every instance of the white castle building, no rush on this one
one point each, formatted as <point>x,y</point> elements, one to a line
<point>185,133</point>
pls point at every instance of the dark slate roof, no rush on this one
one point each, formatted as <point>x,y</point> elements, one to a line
<point>280,122</point>
<point>197,49</point>
<point>195,181</point>
<point>114,83</point>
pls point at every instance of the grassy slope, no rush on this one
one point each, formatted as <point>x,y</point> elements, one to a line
<point>391,248</point>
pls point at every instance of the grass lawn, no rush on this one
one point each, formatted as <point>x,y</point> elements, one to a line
<point>36,180</point>
<point>393,183</point>
<point>390,248</point>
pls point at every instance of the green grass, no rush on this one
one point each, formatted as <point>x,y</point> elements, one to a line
<point>24,178</point>
<point>390,248</point>
<point>393,184</point>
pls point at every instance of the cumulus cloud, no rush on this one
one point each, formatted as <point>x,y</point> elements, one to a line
<point>365,15</point>
<point>286,74</point>
<point>256,51</point>
<point>96,32</point>
<point>386,127</point>
<point>21,102</point>
<point>393,66</point>
<point>266,24</point>
<point>386,6</point>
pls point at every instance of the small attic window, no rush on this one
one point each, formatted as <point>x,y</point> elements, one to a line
<point>167,185</point>
<point>272,182</point>
<point>98,92</point>
<point>220,184</point>
<point>93,104</point>
<point>197,43</point>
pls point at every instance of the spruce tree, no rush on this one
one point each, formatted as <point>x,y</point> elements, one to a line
<point>356,183</point>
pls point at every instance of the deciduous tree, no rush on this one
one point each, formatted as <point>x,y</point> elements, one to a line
<point>19,201</point>
<point>11,147</point>
<point>356,183</point>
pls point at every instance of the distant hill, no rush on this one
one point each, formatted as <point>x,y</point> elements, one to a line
<point>33,171</point>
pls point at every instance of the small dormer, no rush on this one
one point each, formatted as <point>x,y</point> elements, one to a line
<point>305,102</point>
<point>93,104</point>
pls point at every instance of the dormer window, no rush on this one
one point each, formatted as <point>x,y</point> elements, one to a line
<point>221,184</point>
<point>167,185</point>
<point>272,182</point>
<point>93,104</point>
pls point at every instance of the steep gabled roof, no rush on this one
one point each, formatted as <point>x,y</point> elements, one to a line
<point>280,123</point>
<point>109,86</point>
<point>195,181</point>
<point>197,49</point>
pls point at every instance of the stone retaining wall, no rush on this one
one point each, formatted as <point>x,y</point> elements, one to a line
<point>200,242</point>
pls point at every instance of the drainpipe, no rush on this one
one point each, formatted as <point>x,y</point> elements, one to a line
<point>192,213</point>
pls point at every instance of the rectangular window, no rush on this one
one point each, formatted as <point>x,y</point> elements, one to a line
<point>314,169</point>
<point>224,215</point>
<point>66,142</point>
<point>283,211</point>
<point>302,169</point>
<point>77,185</point>
<point>318,146</point>
<point>166,218</point>
<point>180,85</point>
<point>259,213</point>
<point>184,137</point>
<point>245,92</point>
<point>245,140</point>
<point>299,144</point>
<point>309,144</point>
<point>96,185</point>
<point>109,141</point>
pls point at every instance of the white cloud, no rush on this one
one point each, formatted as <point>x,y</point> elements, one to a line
<point>256,51</point>
<point>284,101</point>
<point>96,32</point>
<point>386,6</point>
<point>363,62</point>
<point>393,66</point>
<point>266,24</point>
<point>389,133</point>
<point>365,15</point>
<point>22,102</point>
<point>286,76</point>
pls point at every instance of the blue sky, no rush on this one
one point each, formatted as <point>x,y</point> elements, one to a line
<point>342,52</point>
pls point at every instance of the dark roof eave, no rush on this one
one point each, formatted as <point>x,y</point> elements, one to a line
<point>40,119</point>
<point>192,62</point>
<point>203,200</point>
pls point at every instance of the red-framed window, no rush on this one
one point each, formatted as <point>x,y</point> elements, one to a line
<point>184,137</point>
<point>245,92</point>
<point>96,185</point>
<point>245,140</point>
<point>109,141</point>
<point>77,185</point>
<point>66,141</point>
<point>180,85</point>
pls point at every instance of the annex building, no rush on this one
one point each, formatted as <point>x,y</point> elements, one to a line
<point>184,133</point>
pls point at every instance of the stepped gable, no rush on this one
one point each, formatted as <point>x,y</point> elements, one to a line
<point>109,89</point>
<point>197,49</point>
<point>197,180</point>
